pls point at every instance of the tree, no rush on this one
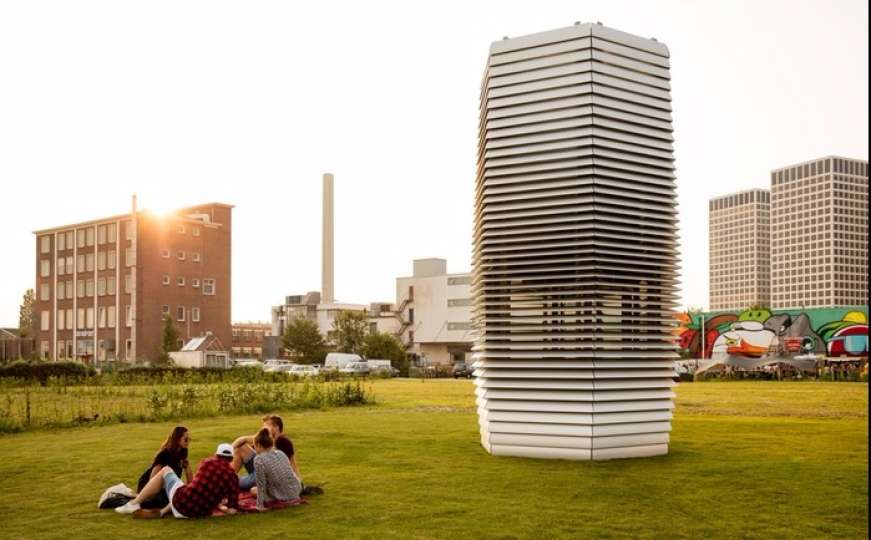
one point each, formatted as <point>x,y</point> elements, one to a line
<point>169,342</point>
<point>26,314</point>
<point>304,340</point>
<point>388,347</point>
<point>349,330</point>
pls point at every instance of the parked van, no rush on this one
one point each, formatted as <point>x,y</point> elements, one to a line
<point>337,360</point>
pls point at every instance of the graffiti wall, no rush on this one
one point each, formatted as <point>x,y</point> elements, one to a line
<point>830,332</point>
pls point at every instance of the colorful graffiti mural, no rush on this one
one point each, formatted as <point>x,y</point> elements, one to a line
<point>761,333</point>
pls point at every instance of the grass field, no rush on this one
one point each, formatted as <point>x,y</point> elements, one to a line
<point>749,460</point>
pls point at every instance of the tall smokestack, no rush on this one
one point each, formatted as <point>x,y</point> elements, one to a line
<point>327,246</point>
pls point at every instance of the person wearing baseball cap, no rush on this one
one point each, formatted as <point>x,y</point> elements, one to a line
<point>215,482</point>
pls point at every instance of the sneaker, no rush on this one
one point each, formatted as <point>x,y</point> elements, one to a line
<point>128,508</point>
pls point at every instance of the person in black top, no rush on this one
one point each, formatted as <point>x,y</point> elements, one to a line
<point>243,450</point>
<point>173,453</point>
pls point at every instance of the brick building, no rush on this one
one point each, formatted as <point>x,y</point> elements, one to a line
<point>103,286</point>
<point>248,339</point>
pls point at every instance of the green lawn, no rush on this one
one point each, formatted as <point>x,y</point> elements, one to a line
<point>752,460</point>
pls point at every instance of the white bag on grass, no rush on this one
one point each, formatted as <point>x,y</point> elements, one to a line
<point>117,489</point>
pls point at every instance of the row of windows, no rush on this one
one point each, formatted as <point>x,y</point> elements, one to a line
<point>85,262</point>
<point>84,318</point>
<point>181,313</point>
<point>84,288</point>
<point>180,255</point>
<point>105,234</point>
<point>247,334</point>
<point>208,284</point>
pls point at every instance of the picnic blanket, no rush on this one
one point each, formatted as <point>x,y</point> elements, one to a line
<point>248,503</point>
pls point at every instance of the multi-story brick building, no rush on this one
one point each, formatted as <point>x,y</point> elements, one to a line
<point>248,339</point>
<point>819,234</point>
<point>103,286</point>
<point>739,232</point>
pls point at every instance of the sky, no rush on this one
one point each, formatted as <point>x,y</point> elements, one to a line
<point>249,103</point>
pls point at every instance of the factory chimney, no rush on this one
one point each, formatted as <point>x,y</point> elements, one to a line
<point>327,242</point>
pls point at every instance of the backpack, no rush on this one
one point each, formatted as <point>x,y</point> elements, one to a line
<point>115,496</point>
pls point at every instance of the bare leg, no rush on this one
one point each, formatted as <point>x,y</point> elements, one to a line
<point>241,455</point>
<point>153,486</point>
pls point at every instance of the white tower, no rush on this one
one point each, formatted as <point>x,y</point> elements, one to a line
<point>327,296</point>
<point>575,246</point>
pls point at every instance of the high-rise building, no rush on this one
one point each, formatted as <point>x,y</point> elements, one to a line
<point>739,234</point>
<point>819,234</point>
<point>104,286</point>
<point>574,275</point>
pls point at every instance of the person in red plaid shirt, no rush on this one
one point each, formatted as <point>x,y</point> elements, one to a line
<point>214,482</point>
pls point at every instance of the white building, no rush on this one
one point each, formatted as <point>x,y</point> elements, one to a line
<point>309,306</point>
<point>434,313</point>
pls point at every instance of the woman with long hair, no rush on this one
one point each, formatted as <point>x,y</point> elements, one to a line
<point>173,453</point>
<point>275,478</point>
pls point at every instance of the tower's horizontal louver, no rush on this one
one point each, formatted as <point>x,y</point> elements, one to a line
<point>575,262</point>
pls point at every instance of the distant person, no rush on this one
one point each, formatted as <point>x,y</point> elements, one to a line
<point>173,453</point>
<point>214,482</point>
<point>275,479</point>
<point>243,451</point>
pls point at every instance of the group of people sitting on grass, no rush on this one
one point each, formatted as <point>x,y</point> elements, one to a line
<point>271,473</point>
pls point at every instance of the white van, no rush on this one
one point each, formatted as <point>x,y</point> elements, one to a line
<point>338,360</point>
<point>379,365</point>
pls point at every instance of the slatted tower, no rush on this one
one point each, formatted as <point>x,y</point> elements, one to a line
<point>575,246</point>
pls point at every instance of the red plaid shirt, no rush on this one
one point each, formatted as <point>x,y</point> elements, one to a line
<point>214,481</point>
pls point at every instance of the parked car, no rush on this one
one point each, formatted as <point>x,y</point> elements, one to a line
<point>381,366</point>
<point>277,365</point>
<point>462,369</point>
<point>303,370</point>
<point>247,362</point>
<point>355,368</point>
<point>337,360</point>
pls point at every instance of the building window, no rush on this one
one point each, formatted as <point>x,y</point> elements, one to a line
<point>130,257</point>
<point>195,314</point>
<point>195,231</point>
<point>43,349</point>
<point>44,244</point>
<point>110,285</point>
<point>128,283</point>
<point>110,259</point>
<point>101,317</point>
<point>179,313</point>
<point>89,262</point>
<point>180,281</point>
<point>60,290</point>
<point>61,349</point>
<point>45,268</point>
<point>101,260</point>
<point>89,317</point>
<point>69,264</point>
<point>110,233</point>
<point>195,256</point>
<point>129,317</point>
<point>128,230</point>
<point>61,241</point>
<point>80,238</point>
<point>70,239</point>
<point>44,291</point>
<point>89,288</point>
<point>43,320</point>
<point>80,318</point>
<point>80,288</point>
<point>101,234</point>
<point>165,279</point>
<point>195,283</point>
<point>61,319</point>
<point>180,255</point>
<point>209,287</point>
<point>89,236</point>
<point>164,310</point>
<point>110,316</point>
<point>164,253</point>
<point>181,229</point>
<point>101,286</point>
